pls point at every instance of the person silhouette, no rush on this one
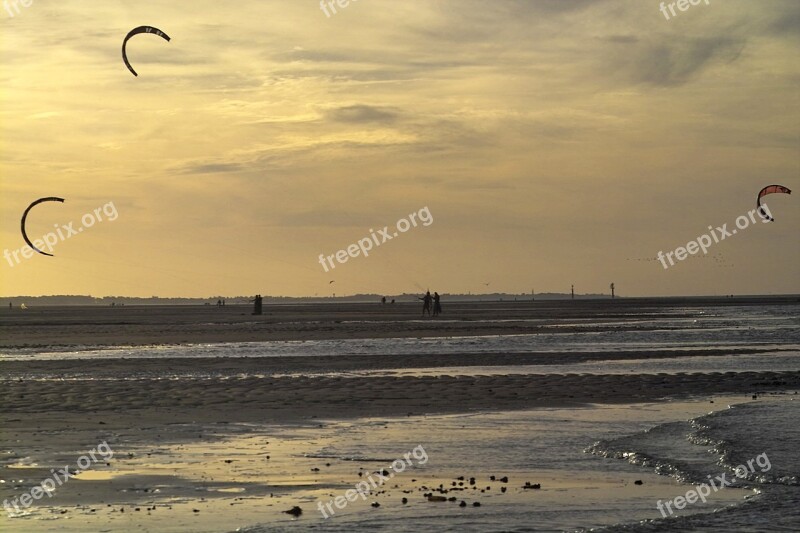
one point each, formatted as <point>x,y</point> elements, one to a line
<point>437,305</point>
<point>426,303</point>
<point>258,300</point>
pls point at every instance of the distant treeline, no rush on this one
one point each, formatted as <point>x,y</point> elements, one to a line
<point>247,300</point>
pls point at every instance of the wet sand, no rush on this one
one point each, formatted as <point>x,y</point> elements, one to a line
<point>76,327</point>
<point>238,399</point>
<point>53,410</point>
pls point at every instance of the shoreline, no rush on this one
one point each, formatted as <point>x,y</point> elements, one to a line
<point>77,326</point>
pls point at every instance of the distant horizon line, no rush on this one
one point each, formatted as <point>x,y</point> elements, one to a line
<point>376,296</point>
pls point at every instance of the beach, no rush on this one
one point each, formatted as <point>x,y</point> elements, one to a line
<point>220,420</point>
<point>410,266</point>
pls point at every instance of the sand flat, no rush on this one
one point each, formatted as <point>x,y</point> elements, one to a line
<point>174,418</point>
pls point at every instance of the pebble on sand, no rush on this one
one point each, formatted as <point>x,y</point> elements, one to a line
<point>294,511</point>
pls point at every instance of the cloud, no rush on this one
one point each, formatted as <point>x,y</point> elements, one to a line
<point>620,39</point>
<point>211,168</point>
<point>785,19</point>
<point>360,114</point>
<point>676,63</point>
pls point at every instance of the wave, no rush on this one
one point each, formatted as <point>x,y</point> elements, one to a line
<point>758,438</point>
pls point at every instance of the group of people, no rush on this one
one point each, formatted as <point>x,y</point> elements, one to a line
<point>426,303</point>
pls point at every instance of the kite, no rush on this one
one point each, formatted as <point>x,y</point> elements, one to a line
<point>25,215</point>
<point>770,189</point>
<point>136,31</point>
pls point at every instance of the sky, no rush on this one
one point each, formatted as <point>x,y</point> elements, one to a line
<point>553,143</point>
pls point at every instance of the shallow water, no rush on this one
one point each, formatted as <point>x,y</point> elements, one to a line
<point>228,478</point>
<point>766,327</point>
<point>762,362</point>
<point>754,445</point>
<point>244,476</point>
<point>548,446</point>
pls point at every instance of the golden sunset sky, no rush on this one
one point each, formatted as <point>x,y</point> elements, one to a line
<point>554,142</point>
